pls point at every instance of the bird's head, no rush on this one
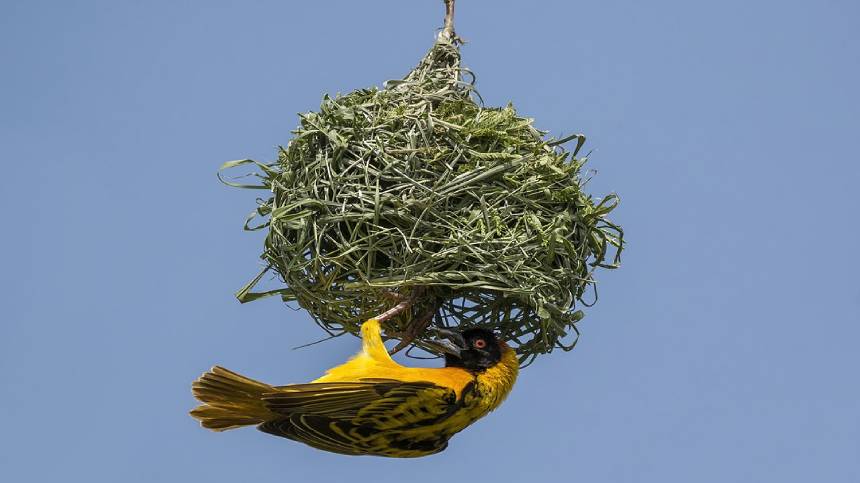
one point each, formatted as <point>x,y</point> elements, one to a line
<point>472,349</point>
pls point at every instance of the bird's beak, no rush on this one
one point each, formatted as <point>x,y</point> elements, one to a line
<point>447,341</point>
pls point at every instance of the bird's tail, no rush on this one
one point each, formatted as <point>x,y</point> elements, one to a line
<point>229,400</point>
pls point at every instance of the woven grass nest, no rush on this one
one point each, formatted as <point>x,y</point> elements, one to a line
<point>418,204</point>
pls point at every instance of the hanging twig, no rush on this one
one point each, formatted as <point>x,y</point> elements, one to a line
<point>447,32</point>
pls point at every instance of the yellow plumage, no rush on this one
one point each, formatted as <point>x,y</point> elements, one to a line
<point>370,405</point>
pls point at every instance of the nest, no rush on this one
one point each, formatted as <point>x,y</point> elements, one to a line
<point>417,202</point>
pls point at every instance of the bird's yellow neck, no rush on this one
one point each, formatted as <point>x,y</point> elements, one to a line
<point>495,383</point>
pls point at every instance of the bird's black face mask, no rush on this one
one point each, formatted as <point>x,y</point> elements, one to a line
<point>472,349</point>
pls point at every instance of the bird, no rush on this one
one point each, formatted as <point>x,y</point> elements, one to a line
<point>370,405</point>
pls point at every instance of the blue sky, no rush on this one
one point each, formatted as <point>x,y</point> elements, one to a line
<point>723,351</point>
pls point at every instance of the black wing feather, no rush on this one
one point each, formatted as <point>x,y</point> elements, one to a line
<point>361,417</point>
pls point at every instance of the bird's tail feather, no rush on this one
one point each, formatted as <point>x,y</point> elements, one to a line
<point>229,400</point>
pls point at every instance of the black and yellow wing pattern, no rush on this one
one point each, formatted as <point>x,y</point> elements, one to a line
<point>370,417</point>
<point>370,405</point>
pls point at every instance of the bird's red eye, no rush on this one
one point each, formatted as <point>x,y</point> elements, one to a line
<point>480,343</point>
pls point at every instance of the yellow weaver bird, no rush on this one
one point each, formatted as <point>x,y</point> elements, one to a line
<point>370,405</point>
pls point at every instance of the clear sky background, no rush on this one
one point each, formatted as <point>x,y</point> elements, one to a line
<point>723,351</point>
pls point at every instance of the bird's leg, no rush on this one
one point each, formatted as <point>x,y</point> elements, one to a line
<point>403,305</point>
<point>415,328</point>
<point>404,302</point>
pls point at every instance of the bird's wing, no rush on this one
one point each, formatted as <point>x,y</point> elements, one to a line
<point>364,401</point>
<point>345,437</point>
<point>361,417</point>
